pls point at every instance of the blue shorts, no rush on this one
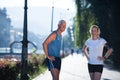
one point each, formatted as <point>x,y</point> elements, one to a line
<point>95,68</point>
<point>54,64</point>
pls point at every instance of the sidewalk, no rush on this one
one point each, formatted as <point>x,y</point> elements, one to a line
<point>75,68</point>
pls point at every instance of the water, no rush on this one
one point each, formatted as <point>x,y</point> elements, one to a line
<point>15,50</point>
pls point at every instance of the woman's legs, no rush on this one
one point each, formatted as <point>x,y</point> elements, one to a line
<point>91,76</point>
<point>95,71</point>
<point>95,76</point>
<point>55,74</point>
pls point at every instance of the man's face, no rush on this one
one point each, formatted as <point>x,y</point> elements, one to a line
<point>62,26</point>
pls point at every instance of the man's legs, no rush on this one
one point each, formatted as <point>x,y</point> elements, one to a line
<point>55,74</point>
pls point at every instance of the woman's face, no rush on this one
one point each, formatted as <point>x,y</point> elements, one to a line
<point>94,32</point>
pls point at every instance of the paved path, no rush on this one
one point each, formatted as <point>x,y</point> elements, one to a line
<point>75,68</point>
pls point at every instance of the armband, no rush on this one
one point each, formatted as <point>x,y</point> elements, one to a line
<point>107,46</point>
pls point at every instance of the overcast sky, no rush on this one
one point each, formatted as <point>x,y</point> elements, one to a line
<point>57,3</point>
<point>39,13</point>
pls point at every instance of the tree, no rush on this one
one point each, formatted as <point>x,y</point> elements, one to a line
<point>83,20</point>
<point>5,25</point>
<point>68,43</point>
<point>107,13</point>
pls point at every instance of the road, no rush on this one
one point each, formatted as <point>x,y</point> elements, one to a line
<point>74,67</point>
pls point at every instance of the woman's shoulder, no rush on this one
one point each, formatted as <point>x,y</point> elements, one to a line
<point>102,39</point>
<point>88,40</point>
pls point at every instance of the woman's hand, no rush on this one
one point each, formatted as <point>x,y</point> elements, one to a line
<point>101,58</point>
<point>88,58</point>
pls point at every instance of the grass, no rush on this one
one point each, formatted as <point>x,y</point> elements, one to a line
<point>42,69</point>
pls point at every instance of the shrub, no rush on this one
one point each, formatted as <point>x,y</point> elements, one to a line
<point>10,70</point>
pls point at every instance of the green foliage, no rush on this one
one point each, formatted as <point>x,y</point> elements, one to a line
<point>107,14</point>
<point>68,43</point>
<point>77,35</point>
<point>35,64</point>
<point>10,70</point>
<point>84,19</point>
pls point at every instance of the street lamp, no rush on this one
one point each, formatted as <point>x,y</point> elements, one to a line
<point>52,16</point>
<point>24,58</point>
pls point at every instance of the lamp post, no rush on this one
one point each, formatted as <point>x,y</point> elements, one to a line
<point>24,58</point>
<point>63,47</point>
<point>52,17</point>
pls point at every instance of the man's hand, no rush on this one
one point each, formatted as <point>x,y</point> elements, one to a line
<point>51,58</point>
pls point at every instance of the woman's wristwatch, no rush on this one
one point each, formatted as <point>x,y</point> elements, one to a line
<point>104,57</point>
